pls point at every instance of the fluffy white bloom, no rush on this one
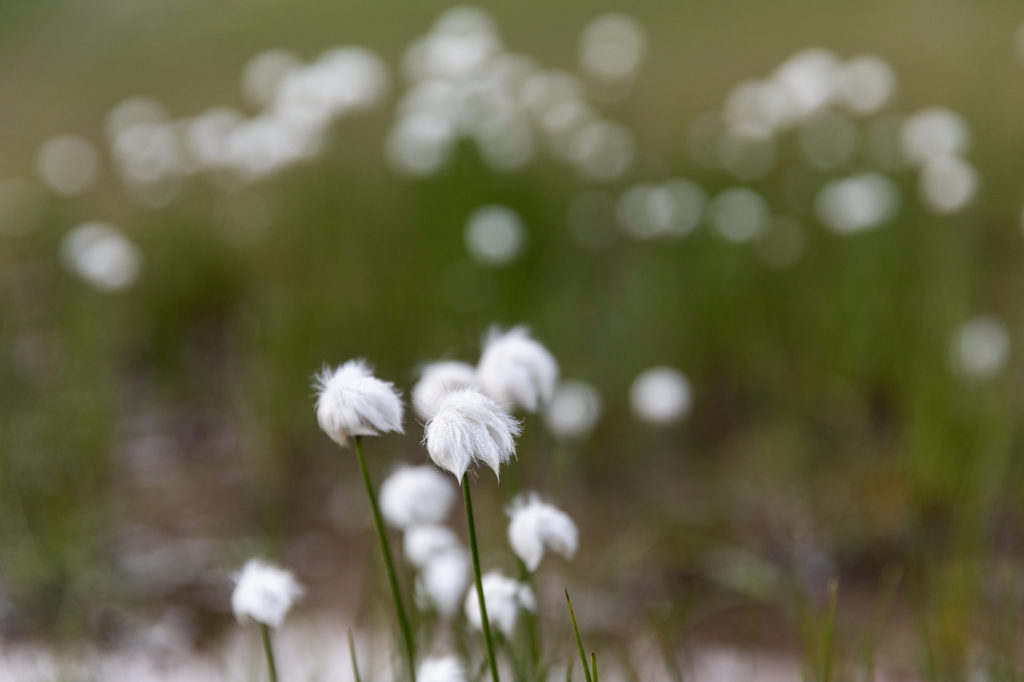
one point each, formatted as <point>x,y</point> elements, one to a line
<point>443,581</point>
<point>537,525</point>
<point>504,597</point>
<point>470,427</point>
<point>422,543</point>
<point>436,381</point>
<point>415,495</point>
<point>352,402</point>
<point>514,369</point>
<point>441,669</point>
<point>264,593</point>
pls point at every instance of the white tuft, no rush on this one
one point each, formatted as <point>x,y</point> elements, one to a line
<point>516,370</point>
<point>441,669</point>
<point>537,525</point>
<point>415,495</point>
<point>423,543</point>
<point>443,581</point>
<point>436,381</point>
<point>352,402</point>
<point>504,598</point>
<point>264,593</point>
<point>470,427</point>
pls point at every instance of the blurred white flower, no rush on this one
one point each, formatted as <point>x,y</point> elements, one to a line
<point>443,581</point>
<point>536,525</point>
<point>263,73</point>
<point>422,543</point>
<point>68,164</point>
<point>516,370</point>
<point>934,133</point>
<point>100,255</point>
<point>865,84</point>
<point>415,495</point>
<point>495,235</point>
<point>352,402</point>
<point>980,348</point>
<point>504,598</point>
<point>612,47</point>
<point>573,410</point>
<point>809,79</point>
<point>660,395</point>
<point>947,184</point>
<point>264,593</point>
<point>441,669</point>
<point>857,203</point>
<point>437,380</point>
<point>739,214</point>
<point>470,427</point>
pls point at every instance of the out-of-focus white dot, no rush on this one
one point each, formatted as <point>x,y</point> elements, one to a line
<point>865,84</point>
<point>809,77</point>
<point>100,255</point>
<point>134,111</point>
<point>612,47</point>
<point>828,139</point>
<point>603,150</point>
<point>947,184</point>
<point>745,157</point>
<point>783,243</point>
<point>980,348</point>
<point>933,133</point>
<point>738,214</point>
<point>857,203</point>
<point>420,143</point>
<point>495,235</point>
<point>573,410</point>
<point>264,72</point>
<point>660,395</point>
<point>758,109</point>
<point>590,219</point>
<point>673,209</point>
<point>68,164</point>
<point>21,206</point>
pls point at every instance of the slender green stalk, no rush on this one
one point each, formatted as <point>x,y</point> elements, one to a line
<point>484,624</point>
<point>830,630</point>
<point>579,642</point>
<point>568,671</point>
<point>389,564</point>
<point>352,655</point>
<point>593,664</point>
<point>268,649</point>
<point>530,617</point>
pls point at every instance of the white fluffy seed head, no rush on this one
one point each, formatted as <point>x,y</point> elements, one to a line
<point>352,402</point>
<point>443,581</point>
<point>504,598</point>
<point>441,669</point>
<point>264,593</point>
<point>422,543</point>
<point>516,370</point>
<point>535,526</point>
<point>415,495</point>
<point>470,427</point>
<point>437,380</point>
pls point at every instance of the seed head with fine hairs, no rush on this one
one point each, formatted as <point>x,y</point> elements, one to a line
<point>416,495</point>
<point>470,427</point>
<point>504,598</point>
<point>352,402</point>
<point>536,526</point>
<point>264,593</point>
<point>516,370</point>
<point>437,380</point>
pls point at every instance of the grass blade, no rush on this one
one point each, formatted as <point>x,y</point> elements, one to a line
<point>352,655</point>
<point>579,642</point>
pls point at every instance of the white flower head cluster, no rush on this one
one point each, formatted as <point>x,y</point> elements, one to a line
<point>415,495</point>
<point>470,427</point>
<point>352,402</point>
<point>504,598</point>
<point>441,669</point>
<point>437,380</point>
<point>516,370</point>
<point>264,593</point>
<point>535,526</point>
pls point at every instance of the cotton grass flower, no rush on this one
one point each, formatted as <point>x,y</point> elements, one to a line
<point>422,543</point>
<point>352,402</point>
<point>536,526</point>
<point>415,495</point>
<point>504,597</point>
<point>264,593</point>
<point>441,669</point>
<point>437,380</point>
<point>470,427</point>
<point>442,582</point>
<point>516,370</point>
<point>573,411</point>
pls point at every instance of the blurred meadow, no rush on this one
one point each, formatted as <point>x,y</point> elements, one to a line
<point>824,249</point>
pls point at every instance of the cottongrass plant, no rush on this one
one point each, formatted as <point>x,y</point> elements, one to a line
<point>352,403</point>
<point>265,593</point>
<point>516,370</point>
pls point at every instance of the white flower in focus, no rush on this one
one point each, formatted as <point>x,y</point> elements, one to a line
<point>537,525</point>
<point>470,427</point>
<point>415,495</point>
<point>352,402</point>
<point>264,593</point>
<point>422,543</point>
<point>100,255</point>
<point>443,581</point>
<point>441,669</point>
<point>436,381</point>
<point>504,597</point>
<point>514,369</point>
<point>660,395</point>
<point>573,411</point>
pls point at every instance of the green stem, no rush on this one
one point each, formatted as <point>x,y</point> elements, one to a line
<point>268,649</point>
<point>532,628</point>
<point>484,624</point>
<point>579,642</point>
<point>389,564</point>
<point>352,654</point>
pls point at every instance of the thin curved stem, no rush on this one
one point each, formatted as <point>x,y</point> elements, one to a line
<point>484,623</point>
<point>268,649</point>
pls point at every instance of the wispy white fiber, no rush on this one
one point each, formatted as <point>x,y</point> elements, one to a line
<point>264,593</point>
<point>536,526</point>
<point>437,380</point>
<point>516,370</point>
<point>352,402</point>
<point>470,427</point>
